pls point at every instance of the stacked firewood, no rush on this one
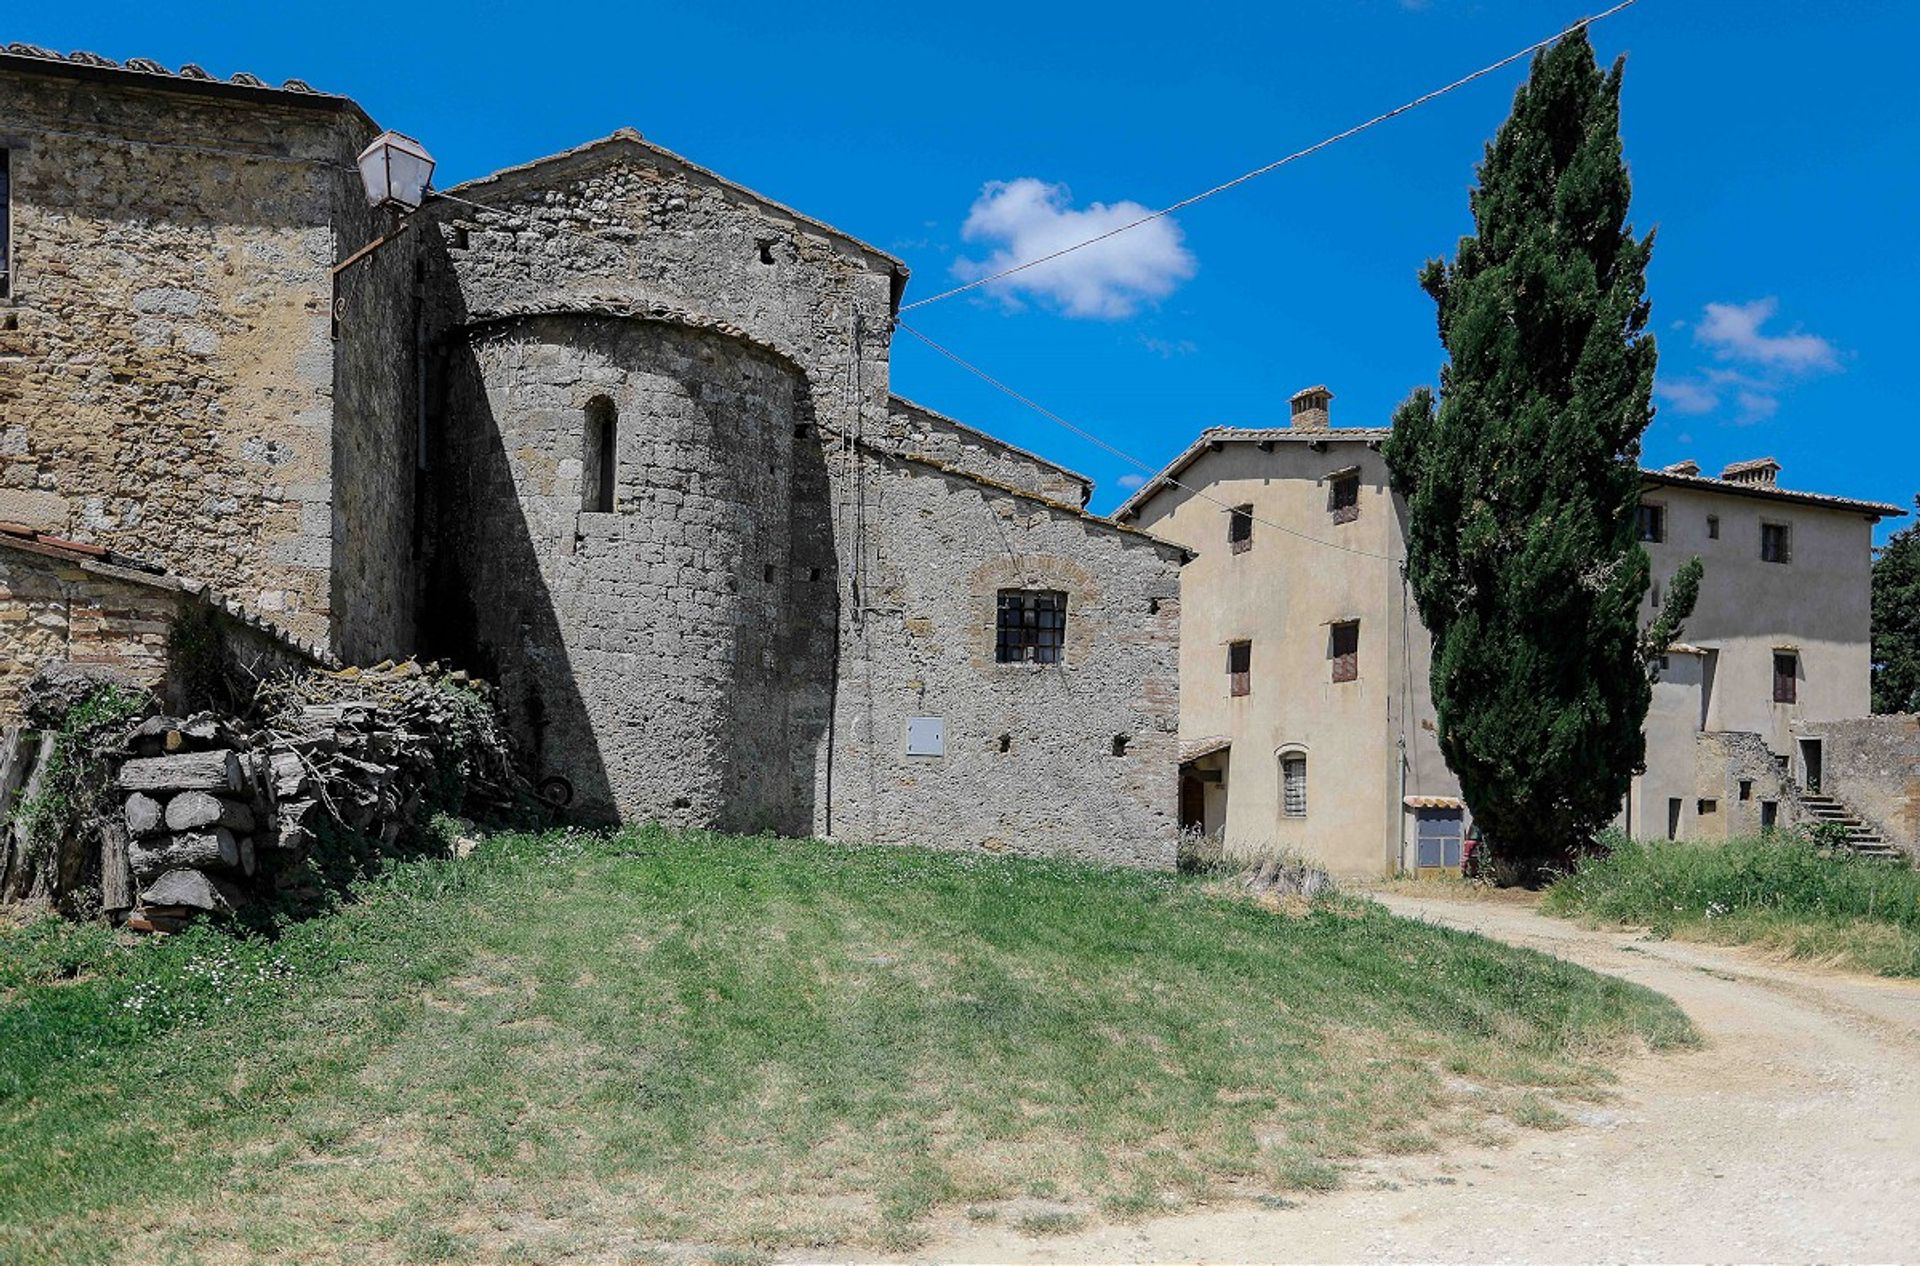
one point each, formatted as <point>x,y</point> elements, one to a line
<point>221,811</point>
<point>194,799</point>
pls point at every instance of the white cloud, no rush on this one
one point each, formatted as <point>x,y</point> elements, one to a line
<point>1733,331</point>
<point>1167,349</point>
<point>1130,482</point>
<point>1688,396</point>
<point>1755,366</point>
<point>1027,218</point>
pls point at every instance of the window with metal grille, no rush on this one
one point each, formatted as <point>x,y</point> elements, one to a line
<point>1293,786</point>
<point>6,224</point>
<point>1343,648</point>
<point>1032,627</point>
<point>600,464</point>
<point>1239,668</point>
<point>1343,498</point>
<point>1776,543</point>
<point>1653,523</point>
<point>1786,672</point>
<point>1240,529</point>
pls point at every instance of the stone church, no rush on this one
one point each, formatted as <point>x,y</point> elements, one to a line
<point>606,428</point>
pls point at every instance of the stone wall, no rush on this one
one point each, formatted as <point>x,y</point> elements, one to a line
<point>377,417</point>
<point>60,605</point>
<point>168,380</point>
<point>917,431</point>
<point>1872,764</point>
<point>643,652</point>
<point>1030,763</point>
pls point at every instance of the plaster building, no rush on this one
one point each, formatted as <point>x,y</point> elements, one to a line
<point>608,428</point>
<point>1306,713</point>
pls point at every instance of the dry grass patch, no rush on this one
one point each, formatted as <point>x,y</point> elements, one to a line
<point>663,1046</point>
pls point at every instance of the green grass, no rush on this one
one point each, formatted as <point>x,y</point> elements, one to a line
<point>1777,892</point>
<point>579,1047</point>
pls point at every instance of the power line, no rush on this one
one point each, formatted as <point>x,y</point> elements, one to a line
<point>1124,456</point>
<point>1337,137</point>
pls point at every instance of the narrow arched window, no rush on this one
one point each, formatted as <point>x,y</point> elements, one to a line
<point>602,456</point>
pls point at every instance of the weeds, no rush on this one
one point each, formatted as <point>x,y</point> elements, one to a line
<point>1781,892</point>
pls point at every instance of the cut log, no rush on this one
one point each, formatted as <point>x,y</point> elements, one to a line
<point>116,872</point>
<point>191,888</point>
<point>144,814</point>
<point>289,776</point>
<point>215,849</point>
<point>192,810</point>
<point>189,771</point>
<point>295,831</point>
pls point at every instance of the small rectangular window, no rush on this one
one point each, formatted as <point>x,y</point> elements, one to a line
<point>1706,807</point>
<point>1032,627</point>
<point>1239,668</point>
<point>1786,673</point>
<point>1343,498</point>
<point>1674,804</point>
<point>6,224</point>
<point>600,456</point>
<point>1653,523</point>
<point>1293,786</point>
<point>1240,529</point>
<point>1746,788</point>
<point>1776,543</point>
<point>1343,648</point>
<point>1713,527</point>
<point>1769,814</point>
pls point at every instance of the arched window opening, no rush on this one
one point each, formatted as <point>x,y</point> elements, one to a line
<point>602,457</point>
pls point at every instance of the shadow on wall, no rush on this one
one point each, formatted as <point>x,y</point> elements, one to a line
<point>670,659</point>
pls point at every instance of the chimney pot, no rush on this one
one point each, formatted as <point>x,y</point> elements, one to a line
<point>1310,409</point>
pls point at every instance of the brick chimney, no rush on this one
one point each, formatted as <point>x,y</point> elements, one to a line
<point>1761,470</point>
<point>1310,409</point>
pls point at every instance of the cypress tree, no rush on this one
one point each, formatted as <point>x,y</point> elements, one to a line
<point>1896,622</point>
<point>1522,481</point>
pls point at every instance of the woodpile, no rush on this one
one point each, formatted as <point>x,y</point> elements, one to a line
<point>210,813</point>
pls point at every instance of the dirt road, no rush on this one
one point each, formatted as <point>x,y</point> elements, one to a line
<point>1793,1134</point>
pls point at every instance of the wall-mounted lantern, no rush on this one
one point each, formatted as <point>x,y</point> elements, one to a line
<point>395,170</point>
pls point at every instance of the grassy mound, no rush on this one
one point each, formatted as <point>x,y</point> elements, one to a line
<point>570,1046</point>
<point>1778,892</point>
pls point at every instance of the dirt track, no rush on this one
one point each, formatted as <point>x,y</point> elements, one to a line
<point>1792,1134</point>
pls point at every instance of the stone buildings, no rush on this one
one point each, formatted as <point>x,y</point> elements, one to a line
<point>606,427</point>
<point>1306,716</point>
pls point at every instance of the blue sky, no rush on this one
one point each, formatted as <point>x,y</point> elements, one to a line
<point>1773,144</point>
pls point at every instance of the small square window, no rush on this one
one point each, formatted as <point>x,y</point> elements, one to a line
<point>1706,807</point>
<point>1713,527</point>
<point>1653,523</point>
<point>1240,529</point>
<point>1786,675</point>
<point>1032,627</point>
<point>1343,648</point>
<point>1776,543</point>
<point>1239,668</point>
<point>1343,498</point>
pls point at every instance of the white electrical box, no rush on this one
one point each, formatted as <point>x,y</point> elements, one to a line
<point>926,736</point>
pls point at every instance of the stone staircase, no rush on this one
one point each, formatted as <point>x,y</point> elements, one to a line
<point>1861,837</point>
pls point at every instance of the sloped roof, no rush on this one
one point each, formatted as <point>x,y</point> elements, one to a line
<point>627,140</point>
<point>145,72</point>
<point>112,565</point>
<point>989,437</point>
<point>1214,436</point>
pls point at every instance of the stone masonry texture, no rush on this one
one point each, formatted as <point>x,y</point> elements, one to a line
<point>389,453</point>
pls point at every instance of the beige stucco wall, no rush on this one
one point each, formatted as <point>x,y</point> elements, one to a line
<point>1817,603</point>
<point>1282,595</point>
